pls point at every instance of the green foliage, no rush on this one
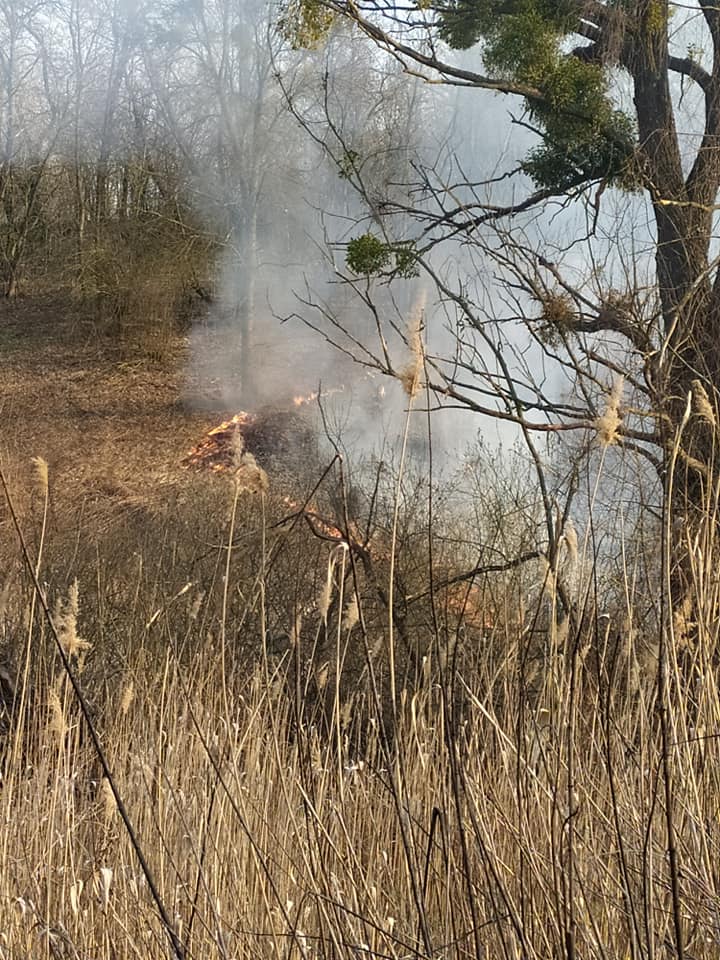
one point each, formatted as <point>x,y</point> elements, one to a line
<point>305,24</point>
<point>368,256</point>
<point>525,41</point>
<point>348,164</point>
<point>405,260</point>
<point>568,162</point>
<point>465,22</point>
<point>523,48</point>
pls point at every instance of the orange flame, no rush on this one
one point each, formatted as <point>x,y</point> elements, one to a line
<point>211,454</point>
<point>325,527</point>
<point>301,400</point>
<point>237,420</point>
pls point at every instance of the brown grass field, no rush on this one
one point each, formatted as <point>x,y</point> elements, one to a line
<point>100,411</point>
<point>299,766</point>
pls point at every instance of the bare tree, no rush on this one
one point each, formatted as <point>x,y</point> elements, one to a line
<point>558,328</point>
<point>32,113</point>
<point>211,70</point>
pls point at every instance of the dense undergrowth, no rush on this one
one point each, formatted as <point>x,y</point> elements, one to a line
<point>315,764</point>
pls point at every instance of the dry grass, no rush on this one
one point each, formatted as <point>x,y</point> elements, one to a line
<point>517,809</point>
<point>100,418</point>
<point>511,799</point>
<point>500,832</point>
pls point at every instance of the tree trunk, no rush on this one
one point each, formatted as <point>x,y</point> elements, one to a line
<point>245,307</point>
<point>683,210</point>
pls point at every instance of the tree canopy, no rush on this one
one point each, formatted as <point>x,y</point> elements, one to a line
<point>618,96</point>
<point>584,136</point>
<point>603,86</point>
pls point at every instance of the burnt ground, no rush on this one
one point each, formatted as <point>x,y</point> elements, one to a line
<point>113,415</point>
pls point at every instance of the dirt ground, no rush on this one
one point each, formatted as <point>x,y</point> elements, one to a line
<point>112,416</point>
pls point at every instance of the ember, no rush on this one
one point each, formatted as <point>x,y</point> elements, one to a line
<point>273,437</point>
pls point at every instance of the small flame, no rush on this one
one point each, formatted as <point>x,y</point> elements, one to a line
<point>325,527</point>
<point>211,454</point>
<point>237,420</point>
<point>301,401</point>
<point>257,434</point>
<point>469,605</point>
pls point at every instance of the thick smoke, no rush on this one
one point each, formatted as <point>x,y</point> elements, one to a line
<point>284,323</point>
<point>184,96</point>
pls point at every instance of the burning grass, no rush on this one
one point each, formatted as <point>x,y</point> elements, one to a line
<point>273,436</point>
